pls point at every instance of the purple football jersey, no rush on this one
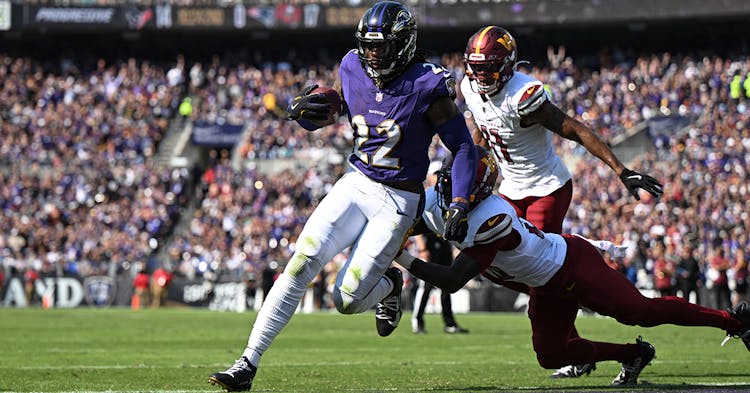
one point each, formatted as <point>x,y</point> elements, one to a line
<point>391,132</point>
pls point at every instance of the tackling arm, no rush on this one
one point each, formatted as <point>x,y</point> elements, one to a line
<point>494,235</point>
<point>450,278</point>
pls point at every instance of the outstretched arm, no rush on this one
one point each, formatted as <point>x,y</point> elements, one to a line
<point>552,118</point>
<point>450,278</point>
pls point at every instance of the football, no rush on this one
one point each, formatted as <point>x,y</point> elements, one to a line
<point>332,97</point>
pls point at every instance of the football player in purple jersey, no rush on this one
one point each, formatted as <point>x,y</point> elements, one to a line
<point>396,102</point>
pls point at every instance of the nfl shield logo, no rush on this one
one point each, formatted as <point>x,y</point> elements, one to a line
<point>378,97</point>
<point>99,290</point>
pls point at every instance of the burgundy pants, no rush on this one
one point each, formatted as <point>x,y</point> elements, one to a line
<point>548,212</point>
<point>586,279</point>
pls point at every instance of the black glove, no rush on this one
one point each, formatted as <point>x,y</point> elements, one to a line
<point>634,180</point>
<point>456,223</point>
<point>308,106</point>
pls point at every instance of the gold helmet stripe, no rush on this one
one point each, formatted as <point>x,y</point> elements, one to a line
<point>479,39</point>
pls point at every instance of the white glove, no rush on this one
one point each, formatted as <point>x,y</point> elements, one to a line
<point>614,250</point>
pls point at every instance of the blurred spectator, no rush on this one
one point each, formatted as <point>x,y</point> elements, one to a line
<point>186,107</point>
<point>160,280</point>
<point>740,277</point>
<point>29,279</point>
<point>270,273</point>
<point>140,289</point>
<point>688,273</point>
<point>251,283</point>
<point>663,271</point>
<point>717,278</point>
<point>319,285</point>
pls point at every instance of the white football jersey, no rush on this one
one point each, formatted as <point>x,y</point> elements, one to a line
<point>533,262</point>
<point>528,163</point>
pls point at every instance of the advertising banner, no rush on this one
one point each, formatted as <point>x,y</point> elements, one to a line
<point>285,17</point>
<point>216,135</point>
<point>114,18</point>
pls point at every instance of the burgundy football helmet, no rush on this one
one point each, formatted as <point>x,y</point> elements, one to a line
<point>484,181</point>
<point>490,59</point>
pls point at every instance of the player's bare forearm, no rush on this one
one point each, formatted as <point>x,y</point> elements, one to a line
<point>555,120</point>
<point>594,144</point>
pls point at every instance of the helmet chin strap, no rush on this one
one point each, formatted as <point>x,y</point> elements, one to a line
<point>379,76</point>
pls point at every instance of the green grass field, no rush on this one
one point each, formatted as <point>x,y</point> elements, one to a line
<point>172,350</point>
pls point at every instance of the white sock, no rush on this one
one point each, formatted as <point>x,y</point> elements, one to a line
<point>277,309</point>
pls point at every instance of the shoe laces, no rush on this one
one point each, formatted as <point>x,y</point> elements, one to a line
<point>240,365</point>
<point>390,303</point>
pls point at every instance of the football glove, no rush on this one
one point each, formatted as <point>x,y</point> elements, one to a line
<point>634,180</point>
<point>456,222</point>
<point>306,106</point>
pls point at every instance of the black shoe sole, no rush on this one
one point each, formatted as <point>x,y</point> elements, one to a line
<point>216,382</point>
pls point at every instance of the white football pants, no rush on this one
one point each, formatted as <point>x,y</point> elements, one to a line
<point>367,216</point>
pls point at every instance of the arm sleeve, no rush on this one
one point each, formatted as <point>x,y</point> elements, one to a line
<point>451,278</point>
<point>457,138</point>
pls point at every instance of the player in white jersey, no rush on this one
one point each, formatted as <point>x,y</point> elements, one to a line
<point>516,119</point>
<point>562,271</point>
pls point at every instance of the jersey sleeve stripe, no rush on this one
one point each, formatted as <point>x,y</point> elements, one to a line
<point>532,102</point>
<point>494,232</point>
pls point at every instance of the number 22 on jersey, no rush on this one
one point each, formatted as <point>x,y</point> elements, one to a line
<point>380,157</point>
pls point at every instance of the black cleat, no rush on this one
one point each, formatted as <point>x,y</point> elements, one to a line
<point>455,329</point>
<point>631,370</point>
<point>574,371</point>
<point>741,312</point>
<point>388,312</point>
<point>237,378</point>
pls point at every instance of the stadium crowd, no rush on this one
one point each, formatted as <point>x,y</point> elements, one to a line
<point>78,193</point>
<point>77,145</point>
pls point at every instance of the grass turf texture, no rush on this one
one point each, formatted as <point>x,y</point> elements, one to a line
<point>176,349</point>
